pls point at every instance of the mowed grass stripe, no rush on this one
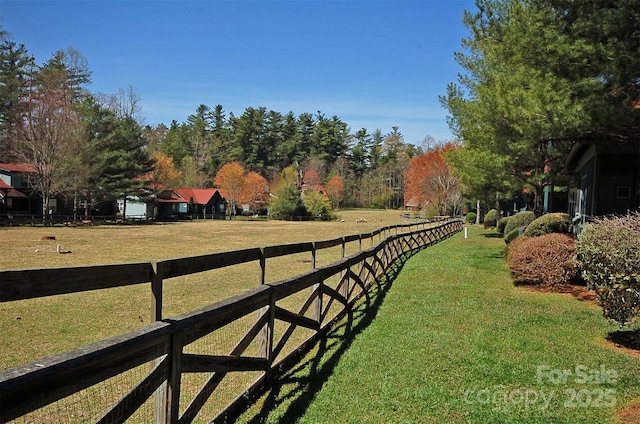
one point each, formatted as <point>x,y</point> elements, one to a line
<point>454,341</point>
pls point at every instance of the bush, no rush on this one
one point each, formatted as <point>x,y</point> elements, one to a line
<point>512,235</point>
<point>551,223</point>
<point>609,254</point>
<point>547,260</point>
<point>491,219</point>
<point>288,203</point>
<point>502,223</point>
<point>317,205</point>
<point>471,218</point>
<point>519,220</point>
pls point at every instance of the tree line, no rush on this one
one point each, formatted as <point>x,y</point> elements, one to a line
<point>538,76</point>
<point>93,147</point>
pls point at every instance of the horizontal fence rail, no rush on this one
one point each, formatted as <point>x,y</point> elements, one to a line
<point>202,364</point>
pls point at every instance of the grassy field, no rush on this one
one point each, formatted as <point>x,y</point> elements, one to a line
<point>35,328</point>
<point>454,341</point>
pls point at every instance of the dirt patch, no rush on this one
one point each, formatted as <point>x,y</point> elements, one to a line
<point>579,292</point>
<point>630,414</point>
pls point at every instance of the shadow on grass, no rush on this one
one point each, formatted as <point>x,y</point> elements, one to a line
<point>493,235</point>
<point>289,395</point>
<point>629,339</point>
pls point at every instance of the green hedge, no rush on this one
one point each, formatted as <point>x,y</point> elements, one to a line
<point>502,224</point>
<point>491,219</point>
<point>551,223</point>
<point>519,220</point>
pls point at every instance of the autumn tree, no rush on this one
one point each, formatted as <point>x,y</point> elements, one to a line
<point>256,191</point>
<point>164,173</point>
<point>432,184</point>
<point>335,190</point>
<point>311,178</point>
<point>231,179</point>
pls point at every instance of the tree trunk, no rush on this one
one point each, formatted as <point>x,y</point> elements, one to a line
<point>45,209</point>
<point>538,200</point>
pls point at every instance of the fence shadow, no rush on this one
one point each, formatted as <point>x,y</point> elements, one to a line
<point>289,395</point>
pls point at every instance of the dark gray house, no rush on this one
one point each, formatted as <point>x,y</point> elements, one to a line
<point>607,178</point>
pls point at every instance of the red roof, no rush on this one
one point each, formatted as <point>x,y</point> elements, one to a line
<point>200,196</point>
<point>17,167</point>
<point>9,190</point>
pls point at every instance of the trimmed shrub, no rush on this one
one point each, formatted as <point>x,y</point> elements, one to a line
<point>502,224</point>
<point>609,254</point>
<point>519,220</point>
<point>547,260</point>
<point>512,235</point>
<point>491,219</point>
<point>471,218</point>
<point>550,223</point>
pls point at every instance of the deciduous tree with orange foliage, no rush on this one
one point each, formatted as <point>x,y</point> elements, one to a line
<point>335,190</point>
<point>256,191</point>
<point>231,179</point>
<point>431,183</point>
<point>311,178</point>
<point>164,173</point>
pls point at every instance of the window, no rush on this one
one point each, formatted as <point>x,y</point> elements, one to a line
<point>623,192</point>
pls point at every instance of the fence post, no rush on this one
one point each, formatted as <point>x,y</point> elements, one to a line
<point>313,255</point>
<point>265,340</point>
<point>317,304</point>
<point>345,274</point>
<point>162,396</point>
<point>263,266</point>
<point>156,291</point>
<point>173,380</point>
<point>266,335</point>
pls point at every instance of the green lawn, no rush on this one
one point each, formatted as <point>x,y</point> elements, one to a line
<point>454,341</point>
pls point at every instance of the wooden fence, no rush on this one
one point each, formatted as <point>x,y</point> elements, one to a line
<point>205,363</point>
<point>10,220</point>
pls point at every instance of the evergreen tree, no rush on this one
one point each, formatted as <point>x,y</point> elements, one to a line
<point>539,75</point>
<point>120,160</point>
<point>16,67</point>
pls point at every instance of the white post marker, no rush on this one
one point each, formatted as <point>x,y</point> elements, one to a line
<point>466,232</point>
<point>58,248</point>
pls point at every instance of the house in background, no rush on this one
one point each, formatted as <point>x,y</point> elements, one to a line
<point>607,178</point>
<point>413,205</point>
<point>180,203</point>
<point>16,192</point>
<point>9,198</point>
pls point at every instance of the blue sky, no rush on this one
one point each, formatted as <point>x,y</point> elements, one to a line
<point>374,64</point>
